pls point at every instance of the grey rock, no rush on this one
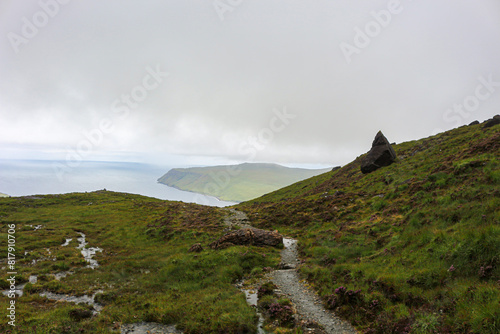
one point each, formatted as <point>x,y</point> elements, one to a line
<point>491,122</point>
<point>381,154</point>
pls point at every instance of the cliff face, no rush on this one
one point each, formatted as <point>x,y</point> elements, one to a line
<point>236,182</point>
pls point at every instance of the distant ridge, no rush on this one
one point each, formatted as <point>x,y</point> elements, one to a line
<point>237,183</point>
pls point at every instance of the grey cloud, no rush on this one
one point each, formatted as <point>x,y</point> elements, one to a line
<point>226,77</point>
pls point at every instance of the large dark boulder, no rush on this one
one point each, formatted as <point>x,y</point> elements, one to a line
<point>381,154</point>
<point>248,236</point>
<point>491,122</point>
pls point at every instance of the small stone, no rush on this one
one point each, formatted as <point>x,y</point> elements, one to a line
<point>196,248</point>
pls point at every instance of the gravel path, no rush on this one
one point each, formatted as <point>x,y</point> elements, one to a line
<point>307,303</point>
<point>148,328</point>
<point>236,218</point>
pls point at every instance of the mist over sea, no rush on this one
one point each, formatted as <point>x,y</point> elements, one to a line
<point>39,177</point>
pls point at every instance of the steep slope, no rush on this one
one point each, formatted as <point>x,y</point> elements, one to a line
<point>236,182</point>
<point>410,248</point>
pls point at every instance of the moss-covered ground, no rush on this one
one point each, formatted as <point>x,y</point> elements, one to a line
<point>146,272</point>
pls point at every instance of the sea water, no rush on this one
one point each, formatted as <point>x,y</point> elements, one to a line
<point>39,177</point>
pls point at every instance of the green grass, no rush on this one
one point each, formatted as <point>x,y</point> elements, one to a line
<point>420,239</point>
<point>236,182</point>
<point>410,248</point>
<point>146,271</point>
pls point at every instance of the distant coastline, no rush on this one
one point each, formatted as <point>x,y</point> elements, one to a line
<point>29,177</point>
<point>201,194</point>
<point>4,195</point>
<point>236,183</point>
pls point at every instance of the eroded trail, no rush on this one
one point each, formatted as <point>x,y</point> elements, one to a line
<point>306,302</point>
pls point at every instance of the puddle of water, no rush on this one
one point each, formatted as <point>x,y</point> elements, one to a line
<point>37,227</point>
<point>81,240</point>
<point>251,296</point>
<point>287,242</point>
<point>88,253</point>
<point>62,274</point>
<point>252,299</point>
<point>18,290</point>
<point>66,243</point>
<point>85,299</point>
<point>289,259</point>
<point>20,287</point>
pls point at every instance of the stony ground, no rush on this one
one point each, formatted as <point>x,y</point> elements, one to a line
<point>148,328</point>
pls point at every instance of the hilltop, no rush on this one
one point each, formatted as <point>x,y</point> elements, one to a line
<point>236,183</point>
<point>409,248</point>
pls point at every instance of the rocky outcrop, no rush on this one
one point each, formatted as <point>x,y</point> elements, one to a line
<point>381,154</point>
<point>248,236</point>
<point>196,248</point>
<point>491,122</point>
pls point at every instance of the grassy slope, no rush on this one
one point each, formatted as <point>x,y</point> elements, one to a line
<point>145,270</point>
<point>420,239</point>
<point>236,183</point>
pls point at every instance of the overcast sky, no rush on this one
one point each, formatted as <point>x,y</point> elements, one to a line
<point>205,82</point>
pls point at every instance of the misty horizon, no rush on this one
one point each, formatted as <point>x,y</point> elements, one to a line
<point>213,83</point>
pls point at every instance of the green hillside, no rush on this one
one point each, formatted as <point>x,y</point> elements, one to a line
<point>145,271</point>
<point>410,248</point>
<point>236,182</point>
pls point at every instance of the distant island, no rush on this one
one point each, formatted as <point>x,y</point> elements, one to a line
<point>237,183</point>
